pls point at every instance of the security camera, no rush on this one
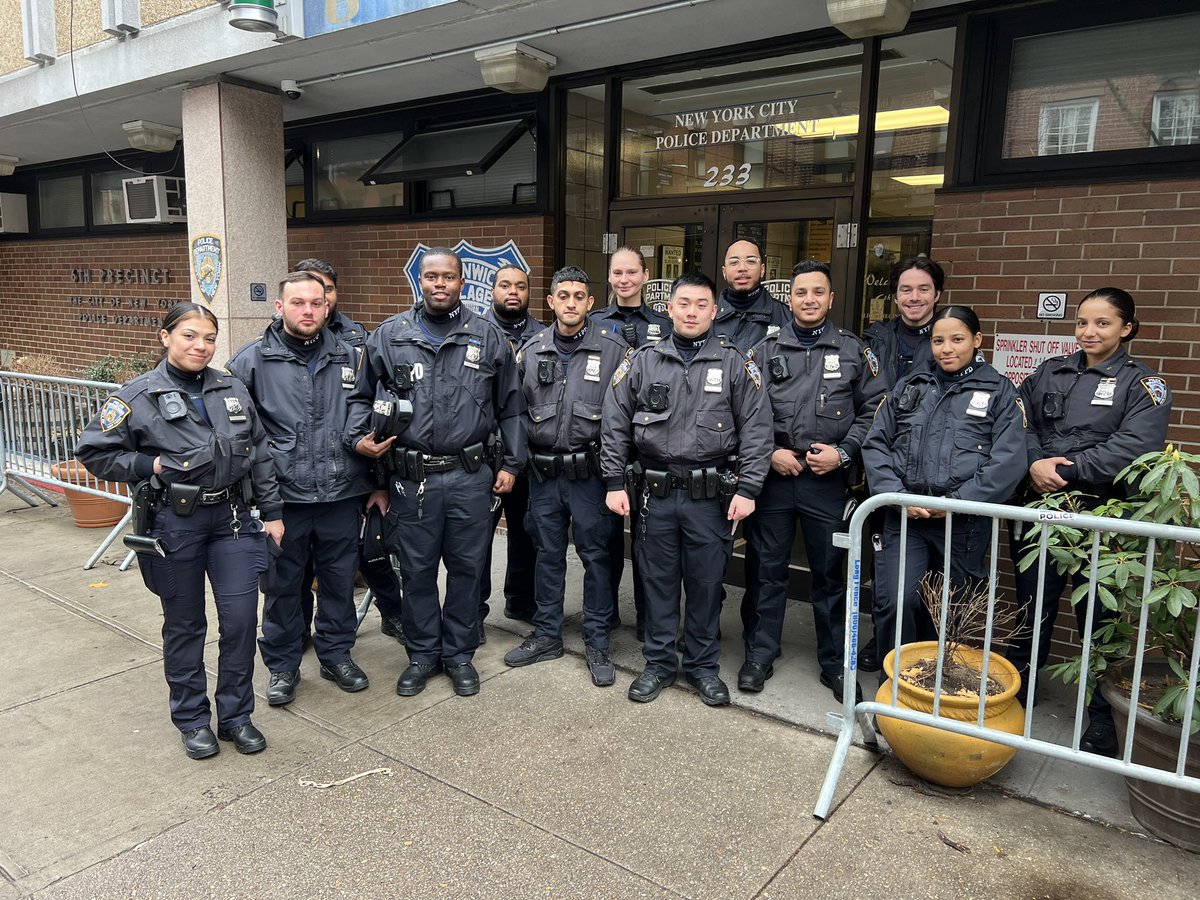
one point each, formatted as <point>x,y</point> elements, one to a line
<point>292,88</point>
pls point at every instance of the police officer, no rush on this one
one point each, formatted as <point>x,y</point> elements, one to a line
<point>747,312</point>
<point>300,377</point>
<point>456,376</point>
<point>565,371</point>
<point>823,386</point>
<point>510,310</point>
<point>195,430</point>
<point>955,430</point>
<point>687,405</point>
<point>1090,415</point>
<point>631,318</point>
<point>376,568</point>
<point>901,343</point>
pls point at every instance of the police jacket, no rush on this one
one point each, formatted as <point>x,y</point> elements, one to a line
<point>344,327</point>
<point>966,441</point>
<point>884,340</point>
<point>746,327</point>
<point>459,393</point>
<point>121,443</point>
<point>1101,418</point>
<point>826,393</point>
<point>636,325</point>
<point>565,401</point>
<point>715,406</point>
<point>303,407</point>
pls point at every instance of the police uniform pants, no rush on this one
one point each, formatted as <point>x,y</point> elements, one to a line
<point>555,505</point>
<point>380,577</point>
<point>818,501</point>
<point>519,573</point>
<point>198,544</point>
<point>447,518</point>
<point>329,533</point>
<point>689,542</point>
<point>925,552</point>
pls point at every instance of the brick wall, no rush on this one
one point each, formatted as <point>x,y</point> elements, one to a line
<point>1001,248</point>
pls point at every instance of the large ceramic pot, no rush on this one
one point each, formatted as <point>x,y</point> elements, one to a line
<point>89,510</point>
<point>1172,814</point>
<point>953,760</point>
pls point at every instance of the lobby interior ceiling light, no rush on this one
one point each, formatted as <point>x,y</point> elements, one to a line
<point>152,136</point>
<point>8,164</point>
<point>935,179</point>
<point>889,120</point>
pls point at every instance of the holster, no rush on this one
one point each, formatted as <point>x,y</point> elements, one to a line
<point>634,476</point>
<point>146,498</point>
<point>495,451</point>
<point>472,457</point>
<point>183,498</point>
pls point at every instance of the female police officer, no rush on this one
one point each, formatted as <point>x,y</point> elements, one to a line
<point>1090,415</point>
<point>196,430</point>
<point>953,429</point>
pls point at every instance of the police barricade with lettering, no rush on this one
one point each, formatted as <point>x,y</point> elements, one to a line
<point>41,419</point>
<point>975,725</point>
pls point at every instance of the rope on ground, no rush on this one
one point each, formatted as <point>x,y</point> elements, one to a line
<point>304,782</point>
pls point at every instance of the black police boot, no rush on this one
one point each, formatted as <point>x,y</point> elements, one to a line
<point>391,626</point>
<point>349,677</point>
<point>868,657</point>
<point>599,664</point>
<point>199,743</point>
<point>752,676</point>
<point>648,686</point>
<point>1100,738</point>
<point>534,649</point>
<point>246,738</point>
<point>412,680</point>
<point>465,678</point>
<point>282,689</point>
<point>836,684</point>
<point>712,690</point>
<point>518,613</point>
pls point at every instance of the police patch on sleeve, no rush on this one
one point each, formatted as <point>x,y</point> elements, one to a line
<point>872,361</point>
<point>1024,419</point>
<point>755,374</point>
<point>1157,389</point>
<point>622,371</point>
<point>113,413</point>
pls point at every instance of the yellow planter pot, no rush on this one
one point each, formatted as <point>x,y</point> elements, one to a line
<point>953,760</point>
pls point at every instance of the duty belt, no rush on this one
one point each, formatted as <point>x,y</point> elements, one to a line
<point>176,492</point>
<point>575,464</point>
<point>711,480</point>
<point>415,465</point>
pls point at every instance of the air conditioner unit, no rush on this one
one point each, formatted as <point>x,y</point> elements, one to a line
<point>14,214</point>
<point>155,198</point>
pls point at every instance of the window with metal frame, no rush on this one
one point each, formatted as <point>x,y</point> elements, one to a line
<point>1067,126</point>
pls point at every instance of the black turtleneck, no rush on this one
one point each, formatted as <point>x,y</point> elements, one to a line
<point>807,337</point>
<point>436,328</point>
<point>911,337</point>
<point>946,379</point>
<point>191,384</point>
<point>689,347</point>
<point>305,348</point>
<point>742,300</point>
<point>566,345</point>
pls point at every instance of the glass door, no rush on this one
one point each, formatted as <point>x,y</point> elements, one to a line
<point>673,241</point>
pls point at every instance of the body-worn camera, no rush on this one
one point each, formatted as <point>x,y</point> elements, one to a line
<point>659,397</point>
<point>1053,406</point>
<point>778,367</point>
<point>910,399</point>
<point>172,405</point>
<point>402,376</point>
<point>547,371</point>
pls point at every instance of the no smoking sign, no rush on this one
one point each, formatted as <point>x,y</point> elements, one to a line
<point>1052,305</point>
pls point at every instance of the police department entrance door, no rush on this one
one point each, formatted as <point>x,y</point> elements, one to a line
<point>682,239</point>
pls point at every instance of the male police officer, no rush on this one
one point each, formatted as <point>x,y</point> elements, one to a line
<point>565,372</point>
<point>376,569</point>
<point>901,344</point>
<point>510,310</point>
<point>300,377</point>
<point>823,387</point>
<point>747,312</point>
<point>687,404</point>
<point>436,383</point>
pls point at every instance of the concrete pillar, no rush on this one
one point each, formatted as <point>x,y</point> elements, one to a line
<point>233,151</point>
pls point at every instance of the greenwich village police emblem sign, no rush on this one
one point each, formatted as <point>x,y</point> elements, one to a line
<point>206,264</point>
<point>480,265</point>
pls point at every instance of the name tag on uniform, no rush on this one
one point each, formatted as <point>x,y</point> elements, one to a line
<point>833,366</point>
<point>712,381</point>
<point>347,378</point>
<point>978,405</point>
<point>1105,391</point>
<point>233,406</point>
<point>474,354</point>
<point>592,372</point>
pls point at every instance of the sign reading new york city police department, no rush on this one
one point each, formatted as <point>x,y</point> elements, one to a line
<point>480,265</point>
<point>739,124</point>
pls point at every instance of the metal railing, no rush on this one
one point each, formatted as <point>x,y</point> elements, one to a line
<point>41,419</point>
<point>861,712</point>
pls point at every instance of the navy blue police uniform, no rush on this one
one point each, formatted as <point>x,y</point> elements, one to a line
<point>900,348</point>
<point>301,390</point>
<point>1101,418</point>
<point>685,419</point>
<point>565,380</point>
<point>960,436</point>
<point>744,318</point>
<point>826,393</point>
<point>207,435</point>
<point>462,384</point>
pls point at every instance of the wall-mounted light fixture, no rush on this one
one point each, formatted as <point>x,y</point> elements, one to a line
<point>8,164</point>
<point>152,136</point>
<point>867,18</point>
<point>253,15</point>
<point>516,68</point>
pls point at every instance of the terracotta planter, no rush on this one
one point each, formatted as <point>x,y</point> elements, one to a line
<point>953,760</point>
<point>88,510</point>
<point>1172,814</point>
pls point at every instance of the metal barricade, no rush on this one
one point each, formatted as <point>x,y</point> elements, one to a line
<point>41,419</point>
<point>861,712</point>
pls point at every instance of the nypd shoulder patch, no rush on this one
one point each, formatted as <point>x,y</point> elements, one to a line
<point>1157,389</point>
<point>1021,406</point>
<point>755,374</point>
<point>113,413</point>
<point>872,361</point>
<point>621,372</point>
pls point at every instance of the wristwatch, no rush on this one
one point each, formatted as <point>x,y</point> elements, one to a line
<point>843,458</point>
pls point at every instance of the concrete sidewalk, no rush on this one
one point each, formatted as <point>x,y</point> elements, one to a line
<point>542,785</point>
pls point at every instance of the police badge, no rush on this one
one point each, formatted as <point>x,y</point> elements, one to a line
<point>833,366</point>
<point>347,377</point>
<point>1106,388</point>
<point>654,332</point>
<point>474,354</point>
<point>712,381</point>
<point>592,372</point>
<point>233,406</point>
<point>978,405</point>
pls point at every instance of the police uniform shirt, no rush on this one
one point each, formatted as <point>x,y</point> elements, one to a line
<point>1101,418</point>
<point>565,398</point>
<point>715,407</point>
<point>826,393</point>
<point>143,421</point>
<point>458,392</point>
<point>965,440</point>
<point>745,320</point>
<point>635,325</point>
